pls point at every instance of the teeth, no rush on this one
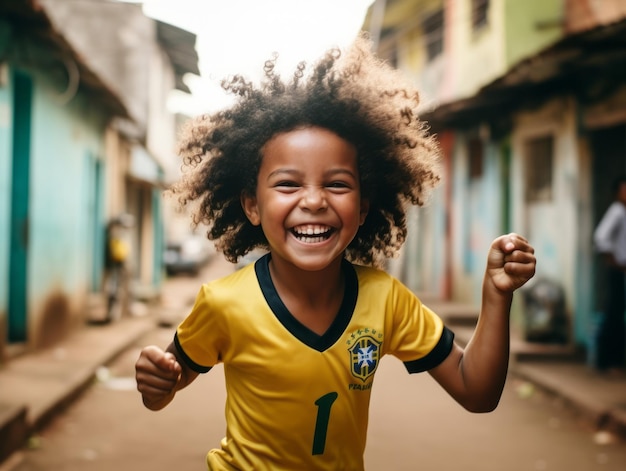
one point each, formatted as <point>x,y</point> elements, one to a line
<point>311,240</point>
<point>312,234</point>
<point>311,230</point>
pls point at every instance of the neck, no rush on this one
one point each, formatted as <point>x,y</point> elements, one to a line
<point>314,286</point>
<point>312,297</point>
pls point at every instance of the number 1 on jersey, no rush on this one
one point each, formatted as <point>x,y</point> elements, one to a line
<point>323,404</point>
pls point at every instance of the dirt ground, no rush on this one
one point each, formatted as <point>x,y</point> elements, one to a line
<point>414,425</point>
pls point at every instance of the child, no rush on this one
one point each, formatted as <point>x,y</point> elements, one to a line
<point>319,171</point>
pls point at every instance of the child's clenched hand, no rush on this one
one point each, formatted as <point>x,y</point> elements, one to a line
<point>157,374</point>
<point>511,262</point>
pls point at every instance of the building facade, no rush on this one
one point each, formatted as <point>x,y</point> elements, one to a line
<point>527,100</point>
<point>85,136</point>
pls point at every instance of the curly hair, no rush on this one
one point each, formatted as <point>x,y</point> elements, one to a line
<point>351,93</point>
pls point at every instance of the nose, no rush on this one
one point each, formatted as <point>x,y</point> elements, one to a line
<point>313,198</point>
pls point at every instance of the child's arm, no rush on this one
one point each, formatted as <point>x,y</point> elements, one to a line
<point>475,376</point>
<point>160,375</point>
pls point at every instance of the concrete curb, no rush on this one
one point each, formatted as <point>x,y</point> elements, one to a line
<point>106,342</point>
<point>601,413</point>
<point>43,384</point>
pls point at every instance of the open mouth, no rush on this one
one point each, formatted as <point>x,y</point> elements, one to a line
<point>311,233</point>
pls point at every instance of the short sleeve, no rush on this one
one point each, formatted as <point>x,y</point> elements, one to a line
<point>200,335</point>
<point>419,337</point>
<point>436,356</point>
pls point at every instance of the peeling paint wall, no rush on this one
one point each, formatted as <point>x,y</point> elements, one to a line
<point>553,224</point>
<point>66,141</point>
<point>477,213</point>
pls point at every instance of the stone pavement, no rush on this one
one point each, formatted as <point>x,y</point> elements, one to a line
<point>35,387</point>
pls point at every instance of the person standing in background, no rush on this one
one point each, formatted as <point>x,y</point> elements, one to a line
<point>610,241</point>
<point>117,259</point>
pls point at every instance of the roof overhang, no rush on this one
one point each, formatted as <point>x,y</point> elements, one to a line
<point>144,167</point>
<point>180,47</point>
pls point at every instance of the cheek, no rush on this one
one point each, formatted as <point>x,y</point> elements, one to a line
<point>353,211</point>
<point>275,208</point>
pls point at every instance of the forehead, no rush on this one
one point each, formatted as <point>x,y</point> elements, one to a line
<point>309,145</point>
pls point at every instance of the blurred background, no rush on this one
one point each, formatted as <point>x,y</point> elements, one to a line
<point>527,99</point>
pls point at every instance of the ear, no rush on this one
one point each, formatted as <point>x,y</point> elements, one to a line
<point>250,207</point>
<point>365,207</point>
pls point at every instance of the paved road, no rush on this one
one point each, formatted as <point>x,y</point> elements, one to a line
<point>414,426</point>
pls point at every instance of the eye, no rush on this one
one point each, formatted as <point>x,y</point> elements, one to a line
<point>339,186</point>
<point>287,183</point>
<point>286,186</point>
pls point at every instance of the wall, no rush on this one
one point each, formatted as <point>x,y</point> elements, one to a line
<point>161,135</point>
<point>5,191</point>
<point>471,59</point>
<point>66,139</point>
<point>120,52</point>
<point>531,25</point>
<point>552,225</point>
<point>476,57</point>
<point>476,215</point>
<point>132,62</point>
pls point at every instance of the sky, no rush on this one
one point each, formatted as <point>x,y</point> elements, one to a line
<point>237,36</point>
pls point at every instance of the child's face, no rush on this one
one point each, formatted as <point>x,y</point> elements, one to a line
<point>308,199</point>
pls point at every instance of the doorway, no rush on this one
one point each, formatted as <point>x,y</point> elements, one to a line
<point>20,194</point>
<point>609,161</point>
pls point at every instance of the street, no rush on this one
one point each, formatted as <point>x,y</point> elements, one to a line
<point>414,425</point>
<point>511,112</point>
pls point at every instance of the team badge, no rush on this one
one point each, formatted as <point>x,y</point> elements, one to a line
<point>364,356</point>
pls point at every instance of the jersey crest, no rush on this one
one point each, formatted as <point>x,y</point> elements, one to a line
<point>364,356</point>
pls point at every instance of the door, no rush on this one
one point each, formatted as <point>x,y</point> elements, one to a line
<point>20,194</point>
<point>609,161</point>
<point>95,217</point>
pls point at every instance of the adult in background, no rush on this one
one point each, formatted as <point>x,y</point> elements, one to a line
<point>117,257</point>
<point>610,241</point>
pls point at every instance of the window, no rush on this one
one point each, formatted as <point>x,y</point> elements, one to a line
<point>432,26</point>
<point>480,9</point>
<point>475,154</point>
<point>539,158</point>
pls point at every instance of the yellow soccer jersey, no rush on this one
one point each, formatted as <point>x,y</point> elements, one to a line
<point>297,400</point>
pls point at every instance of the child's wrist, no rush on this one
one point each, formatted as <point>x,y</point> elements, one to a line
<point>490,288</point>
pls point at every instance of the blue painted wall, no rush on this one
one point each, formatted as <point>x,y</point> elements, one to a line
<point>65,140</point>
<point>478,215</point>
<point>5,190</point>
<point>64,253</point>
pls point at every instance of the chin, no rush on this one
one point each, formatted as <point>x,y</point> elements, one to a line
<point>314,264</point>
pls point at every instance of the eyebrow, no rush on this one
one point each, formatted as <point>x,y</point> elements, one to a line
<point>294,172</point>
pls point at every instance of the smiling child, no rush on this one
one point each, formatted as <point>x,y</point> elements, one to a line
<point>319,170</point>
